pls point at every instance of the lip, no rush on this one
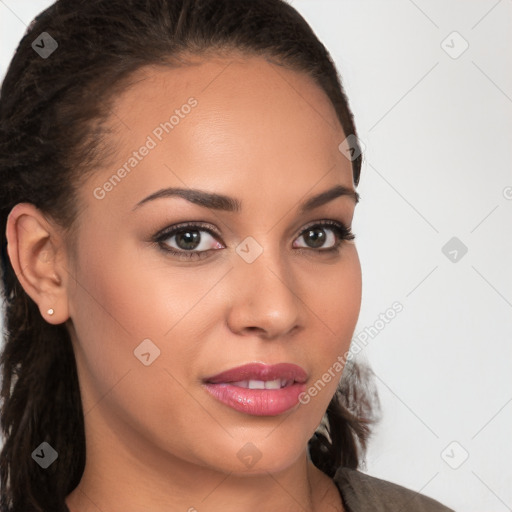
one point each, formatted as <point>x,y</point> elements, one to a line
<point>261,371</point>
<point>258,402</point>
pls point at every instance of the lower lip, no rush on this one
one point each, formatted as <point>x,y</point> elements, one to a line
<point>258,402</point>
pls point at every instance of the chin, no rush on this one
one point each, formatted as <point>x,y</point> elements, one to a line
<point>261,454</point>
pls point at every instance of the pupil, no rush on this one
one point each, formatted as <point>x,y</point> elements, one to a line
<point>191,239</point>
<point>319,239</point>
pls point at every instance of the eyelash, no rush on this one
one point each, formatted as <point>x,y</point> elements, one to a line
<point>343,232</point>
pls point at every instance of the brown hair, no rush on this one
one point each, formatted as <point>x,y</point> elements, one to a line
<point>51,135</point>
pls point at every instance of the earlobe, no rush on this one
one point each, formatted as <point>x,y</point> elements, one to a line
<point>35,251</point>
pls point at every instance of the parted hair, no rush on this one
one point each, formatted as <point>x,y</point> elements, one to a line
<point>52,113</point>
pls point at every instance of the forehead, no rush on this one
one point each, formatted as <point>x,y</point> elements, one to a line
<point>237,79</point>
<point>224,124</point>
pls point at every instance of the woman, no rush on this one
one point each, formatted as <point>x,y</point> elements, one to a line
<point>181,283</point>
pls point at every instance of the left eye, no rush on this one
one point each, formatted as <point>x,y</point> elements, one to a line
<point>318,237</point>
<point>190,243</point>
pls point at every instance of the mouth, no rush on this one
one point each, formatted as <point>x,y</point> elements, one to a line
<point>263,384</point>
<point>254,374</point>
<point>258,389</point>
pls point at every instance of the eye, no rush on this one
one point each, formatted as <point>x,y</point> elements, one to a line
<point>316,234</point>
<point>189,243</point>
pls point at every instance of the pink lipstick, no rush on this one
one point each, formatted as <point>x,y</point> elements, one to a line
<point>259,389</point>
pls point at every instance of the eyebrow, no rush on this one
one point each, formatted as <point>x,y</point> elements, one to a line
<point>230,204</point>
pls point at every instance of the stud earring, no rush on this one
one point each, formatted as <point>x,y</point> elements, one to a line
<point>50,311</point>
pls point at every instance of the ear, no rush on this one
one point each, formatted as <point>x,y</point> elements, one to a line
<point>37,254</point>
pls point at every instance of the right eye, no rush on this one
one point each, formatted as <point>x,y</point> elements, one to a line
<point>189,242</point>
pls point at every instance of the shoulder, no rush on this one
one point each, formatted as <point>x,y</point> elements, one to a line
<point>362,492</point>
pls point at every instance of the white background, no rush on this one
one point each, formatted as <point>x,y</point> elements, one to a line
<point>437,164</point>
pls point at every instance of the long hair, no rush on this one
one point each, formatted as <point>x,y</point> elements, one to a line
<point>52,110</point>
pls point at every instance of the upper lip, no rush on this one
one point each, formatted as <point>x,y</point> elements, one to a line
<point>261,371</point>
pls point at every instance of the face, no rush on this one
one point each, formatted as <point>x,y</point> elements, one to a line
<point>155,313</point>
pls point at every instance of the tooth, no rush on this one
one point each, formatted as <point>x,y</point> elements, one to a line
<point>273,384</point>
<point>241,383</point>
<point>256,384</point>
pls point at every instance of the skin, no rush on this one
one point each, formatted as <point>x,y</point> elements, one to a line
<point>156,440</point>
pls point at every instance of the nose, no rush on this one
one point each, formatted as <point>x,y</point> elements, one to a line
<point>264,298</point>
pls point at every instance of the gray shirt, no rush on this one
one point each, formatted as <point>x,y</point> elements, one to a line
<point>364,493</point>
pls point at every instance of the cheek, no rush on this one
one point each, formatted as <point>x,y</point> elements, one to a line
<point>123,297</point>
<point>336,305</point>
<point>336,301</point>
<point>124,302</point>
